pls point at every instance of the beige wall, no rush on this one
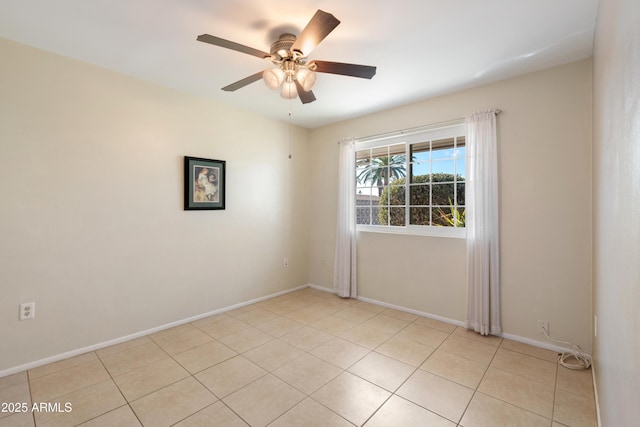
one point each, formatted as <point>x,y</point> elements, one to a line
<point>93,229</point>
<point>616,207</point>
<point>545,169</point>
<point>92,226</point>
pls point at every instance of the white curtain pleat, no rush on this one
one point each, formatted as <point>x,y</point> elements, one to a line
<point>344,270</point>
<point>482,224</point>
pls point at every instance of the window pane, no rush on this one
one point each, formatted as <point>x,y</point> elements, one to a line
<point>442,149</point>
<point>419,194</point>
<point>383,200</point>
<point>443,167</point>
<point>379,216</point>
<point>398,159</point>
<point>397,168</point>
<point>363,215</point>
<point>442,194</point>
<point>363,156</point>
<point>448,217</point>
<point>442,153</point>
<point>398,154</point>
<point>460,194</point>
<point>443,216</point>
<point>435,172</point>
<point>420,151</point>
<point>381,174</point>
<point>388,164</point>
<point>419,216</point>
<point>420,172</point>
<point>363,199</point>
<point>460,217</point>
<point>364,175</point>
<point>363,166</point>
<point>363,190</point>
<point>397,162</point>
<point>379,156</point>
<point>397,179</point>
<point>397,216</point>
<point>397,195</point>
<point>441,144</point>
<point>460,168</point>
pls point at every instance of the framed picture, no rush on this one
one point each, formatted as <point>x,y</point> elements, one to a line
<point>204,184</point>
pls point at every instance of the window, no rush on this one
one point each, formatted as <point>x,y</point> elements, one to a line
<point>412,183</point>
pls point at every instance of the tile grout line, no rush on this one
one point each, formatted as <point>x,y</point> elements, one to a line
<point>510,403</point>
<point>275,338</point>
<point>475,391</point>
<point>33,414</point>
<point>305,352</point>
<point>393,393</point>
<point>418,368</point>
<point>119,391</point>
<point>555,392</point>
<point>51,399</point>
<point>193,375</point>
<point>306,304</point>
<point>343,371</point>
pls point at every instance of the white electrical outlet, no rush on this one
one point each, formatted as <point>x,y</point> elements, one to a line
<point>285,262</point>
<point>27,310</point>
<point>543,325</point>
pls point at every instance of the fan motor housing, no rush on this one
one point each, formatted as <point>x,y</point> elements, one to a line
<point>281,48</point>
<point>293,64</point>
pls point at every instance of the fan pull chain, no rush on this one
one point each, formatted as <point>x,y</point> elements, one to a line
<point>290,156</point>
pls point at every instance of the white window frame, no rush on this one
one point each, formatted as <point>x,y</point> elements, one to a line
<point>452,129</point>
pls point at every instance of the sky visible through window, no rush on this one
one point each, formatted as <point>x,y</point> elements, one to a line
<point>445,161</point>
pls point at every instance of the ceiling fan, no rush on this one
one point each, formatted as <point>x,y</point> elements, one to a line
<point>294,72</point>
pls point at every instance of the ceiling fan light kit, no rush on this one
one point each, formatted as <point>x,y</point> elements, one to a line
<point>289,90</point>
<point>273,78</point>
<point>306,78</point>
<point>292,65</point>
<point>294,74</point>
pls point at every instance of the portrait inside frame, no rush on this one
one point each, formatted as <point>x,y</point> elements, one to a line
<point>204,184</point>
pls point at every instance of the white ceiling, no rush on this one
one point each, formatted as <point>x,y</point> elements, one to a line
<point>422,48</point>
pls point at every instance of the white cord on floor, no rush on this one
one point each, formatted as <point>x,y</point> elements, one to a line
<point>583,360</point>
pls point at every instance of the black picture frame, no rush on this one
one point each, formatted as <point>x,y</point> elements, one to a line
<point>204,184</point>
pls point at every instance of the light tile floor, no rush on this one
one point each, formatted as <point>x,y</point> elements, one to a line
<point>306,358</point>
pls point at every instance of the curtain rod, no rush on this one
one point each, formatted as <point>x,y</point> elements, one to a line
<point>413,130</point>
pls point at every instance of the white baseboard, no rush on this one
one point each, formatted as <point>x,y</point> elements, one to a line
<point>595,392</point>
<point>322,288</point>
<point>513,337</point>
<point>119,340</point>
<point>535,343</point>
<point>412,311</point>
<point>393,306</point>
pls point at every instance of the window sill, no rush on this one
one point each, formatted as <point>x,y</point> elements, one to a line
<point>456,233</point>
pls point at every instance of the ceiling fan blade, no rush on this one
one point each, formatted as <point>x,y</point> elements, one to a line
<point>242,83</point>
<point>305,97</point>
<point>217,41</point>
<point>353,70</point>
<point>321,24</point>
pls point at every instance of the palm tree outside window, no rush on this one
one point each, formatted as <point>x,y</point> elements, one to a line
<point>426,190</point>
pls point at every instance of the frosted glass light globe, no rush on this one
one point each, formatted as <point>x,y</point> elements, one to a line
<point>307,79</point>
<point>289,90</point>
<point>273,77</point>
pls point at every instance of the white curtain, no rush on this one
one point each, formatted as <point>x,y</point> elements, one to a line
<point>482,224</point>
<point>344,269</point>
